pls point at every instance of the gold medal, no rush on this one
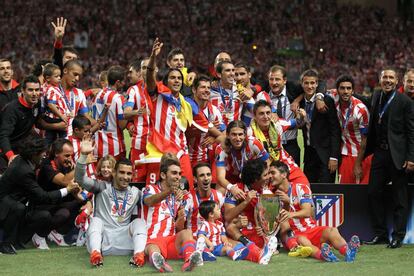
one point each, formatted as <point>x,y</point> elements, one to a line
<point>120,219</point>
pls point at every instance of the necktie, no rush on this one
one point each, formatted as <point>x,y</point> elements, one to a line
<point>308,109</point>
<point>279,107</point>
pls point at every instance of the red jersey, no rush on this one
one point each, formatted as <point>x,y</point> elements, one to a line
<point>137,99</point>
<point>90,168</point>
<point>213,231</point>
<point>55,96</point>
<point>194,220</point>
<point>77,105</point>
<point>109,140</point>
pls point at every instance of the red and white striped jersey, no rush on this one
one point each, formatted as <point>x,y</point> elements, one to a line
<point>231,106</point>
<point>109,140</point>
<point>300,194</point>
<point>213,231</point>
<point>137,99</point>
<point>77,105</point>
<point>194,219</point>
<point>234,160</point>
<point>354,121</point>
<point>160,217</point>
<point>281,126</point>
<point>195,136</point>
<point>54,96</point>
<point>90,168</point>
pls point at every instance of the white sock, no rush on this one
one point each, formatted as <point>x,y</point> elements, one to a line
<point>138,228</point>
<point>94,234</point>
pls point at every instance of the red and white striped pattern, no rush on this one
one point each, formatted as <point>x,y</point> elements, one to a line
<point>253,150</point>
<point>137,99</point>
<point>90,168</point>
<point>359,119</point>
<point>77,99</point>
<point>236,111</point>
<point>195,137</point>
<point>54,96</point>
<point>333,217</point>
<point>109,140</point>
<point>213,231</point>
<point>166,123</point>
<point>160,220</point>
<point>192,204</point>
<point>299,194</point>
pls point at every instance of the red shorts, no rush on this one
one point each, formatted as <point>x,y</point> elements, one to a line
<point>346,170</point>
<point>167,247</point>
<point>298,177</point>
<point>252,235</point>
<point>313,234</point>
<point>140,170</point>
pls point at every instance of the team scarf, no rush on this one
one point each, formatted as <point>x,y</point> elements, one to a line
<point>272,147</point>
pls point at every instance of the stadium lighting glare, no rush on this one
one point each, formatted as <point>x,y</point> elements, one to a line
<point>321,50</point>
<point>254,47</point>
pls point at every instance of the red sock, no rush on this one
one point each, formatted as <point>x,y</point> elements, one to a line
<point>187,249</point>
<point>291,243</point>
<point>342,249</point>
<point>254,253</point>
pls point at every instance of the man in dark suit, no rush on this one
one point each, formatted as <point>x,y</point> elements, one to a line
<point>391,140</point>
<point>18,185</point>
<point>321,133</point>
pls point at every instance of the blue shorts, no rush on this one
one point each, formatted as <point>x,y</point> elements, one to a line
<point>217,249</point>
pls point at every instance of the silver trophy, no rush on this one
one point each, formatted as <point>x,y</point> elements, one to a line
<point>266,214</point>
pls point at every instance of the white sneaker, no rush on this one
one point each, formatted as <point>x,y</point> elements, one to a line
<point>57,238</point>
<point>81,238</point>
<point>39,242</point>
<point>268,251</point>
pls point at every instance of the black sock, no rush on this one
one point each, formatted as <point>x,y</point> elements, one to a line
<point>244,240</point>
<point>290,234</point>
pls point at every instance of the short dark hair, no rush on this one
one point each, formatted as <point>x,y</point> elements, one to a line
<point>276,68</point>
<point>69,49</point>
<point>49,69</point>
<point>57,147</point>
<point>37,68</point>
<point>174,52</point>
<point>122,161</point>
<point>242,65</point>
<point>206,207</point>
<point>261,103</point>
<point>309,73</point>
<point>165,78</point>
<point>281,167</point>
<point>220,65</point>
<point>199,79</point>
<point>29,78</point>
<point>344,78</point>
<point>115,73</point>
<point>80,122</point>
<point>136,64</point>
<point>73,62</point>
<point>31,146</point>
<point>5,60</point>
<point>252,171</point>
<point>200,165</point>
<point>389,68</point>
<point>168,159</point>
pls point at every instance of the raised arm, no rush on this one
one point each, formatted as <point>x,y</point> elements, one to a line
<point>152,64</point>
<point>59,32</point>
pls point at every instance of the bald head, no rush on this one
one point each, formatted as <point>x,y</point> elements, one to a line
<point>222,56</point>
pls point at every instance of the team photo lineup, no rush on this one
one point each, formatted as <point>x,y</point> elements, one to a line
<point>159,161</point>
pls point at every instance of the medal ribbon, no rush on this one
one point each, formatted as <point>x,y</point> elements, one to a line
<point>385,107</point>
<point>124,202</point>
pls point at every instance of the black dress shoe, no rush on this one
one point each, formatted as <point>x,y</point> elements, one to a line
<point>7,248</point>
<point>377,240</point>
<point>395,243</point>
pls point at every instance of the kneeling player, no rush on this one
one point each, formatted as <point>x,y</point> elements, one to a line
<point>298,203</point>
<point>110,231</point>
<point>213,235</point>
<point>165,215</point>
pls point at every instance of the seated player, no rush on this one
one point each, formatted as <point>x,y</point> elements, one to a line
<point>212,234</point>
<point>254,177</point>
<point>298,208</point>
<point>111,231</point>
<point>203,192</point>
<point>165,215</point>
<point>231,157</point>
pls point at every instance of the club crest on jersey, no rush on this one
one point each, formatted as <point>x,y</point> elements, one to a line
<point>329,209</point>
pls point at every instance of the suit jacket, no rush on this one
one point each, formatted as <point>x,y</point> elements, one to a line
<point>400,128</point>
<point>19,183</point>
<point>325,133</point>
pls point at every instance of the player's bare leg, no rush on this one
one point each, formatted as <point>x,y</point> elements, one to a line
<point>296,249</point>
